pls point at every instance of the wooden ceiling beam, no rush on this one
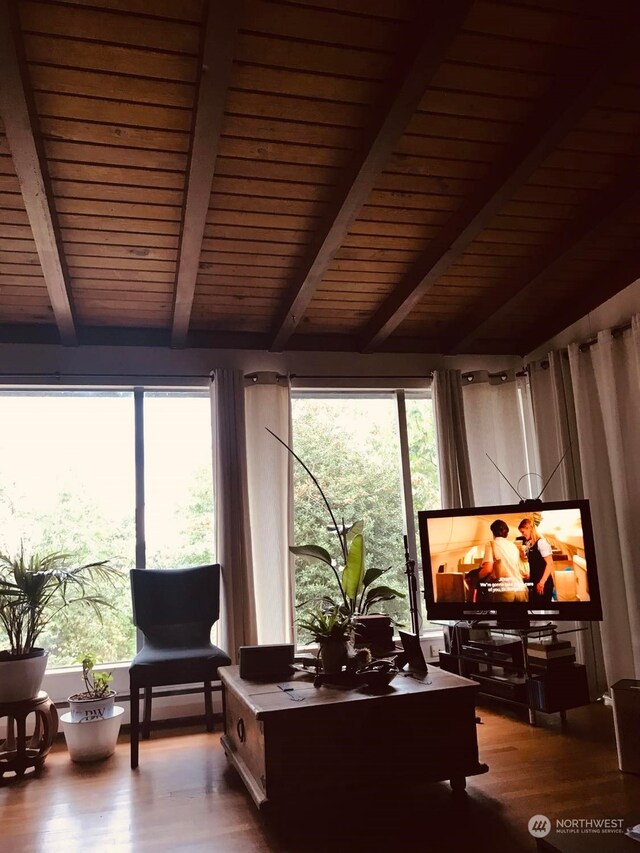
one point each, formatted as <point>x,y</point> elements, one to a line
<point>217,60</point>
<point>28,163</point>
<point>567,100</point>
<point>433,32</point>
<point>578,235</point>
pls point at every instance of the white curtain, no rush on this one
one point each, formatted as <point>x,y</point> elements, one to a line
<point>238,621</point>
<point>556,430</point>
<point>252,474</point>
<point>269,469</point>
<point>606,381</point>
<point>455,472</point>
<point>493,412</point>
<point>555,420</point>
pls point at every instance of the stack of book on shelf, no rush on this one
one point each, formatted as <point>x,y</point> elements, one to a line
<point>551,655</point>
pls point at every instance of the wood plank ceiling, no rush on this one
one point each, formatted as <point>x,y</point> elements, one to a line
<point>348,175</point>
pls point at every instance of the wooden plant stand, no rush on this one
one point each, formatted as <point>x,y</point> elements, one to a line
<point>20,752</point>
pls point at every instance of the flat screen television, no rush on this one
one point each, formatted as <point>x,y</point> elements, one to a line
<point>513,564</point>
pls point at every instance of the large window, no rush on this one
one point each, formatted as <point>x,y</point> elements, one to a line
<point>351,442</point>
<point>68,484</point>
<point>179,509</point>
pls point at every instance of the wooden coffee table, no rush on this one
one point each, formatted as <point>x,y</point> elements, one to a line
<point>286,750</point>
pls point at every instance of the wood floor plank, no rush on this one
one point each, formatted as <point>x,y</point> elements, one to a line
<point>185,797</point>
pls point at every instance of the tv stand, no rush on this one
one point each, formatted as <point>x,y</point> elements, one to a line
<point>496,657</point>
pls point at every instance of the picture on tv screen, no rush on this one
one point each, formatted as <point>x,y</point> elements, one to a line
<point>487,557</point>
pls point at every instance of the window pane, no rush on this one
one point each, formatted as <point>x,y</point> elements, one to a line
<point>179,510</point>
<point>67,484</point>
<point>351,444</point>
<point>425,484</point>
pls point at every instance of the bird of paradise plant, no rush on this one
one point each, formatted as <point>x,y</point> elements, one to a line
<point>357,595</point>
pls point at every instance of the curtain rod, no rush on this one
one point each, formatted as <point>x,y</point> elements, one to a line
<point>352,376</point>
<point>57,374</point>
<point>616,332</point>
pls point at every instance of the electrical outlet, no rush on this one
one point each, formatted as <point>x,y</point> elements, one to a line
<point>434,648</point>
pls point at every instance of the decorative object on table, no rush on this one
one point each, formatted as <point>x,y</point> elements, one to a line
<point>378,674</point>
<point>357,594</point>
<point>92,724</point>
<point>21,751</point>
<point>333,632</point>
<point>33,590</point>
<point>375,632</point>
<point>97,700</point>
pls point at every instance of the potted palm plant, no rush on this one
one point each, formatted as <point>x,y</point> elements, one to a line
<point>33,591</point>
<point>332,630</point>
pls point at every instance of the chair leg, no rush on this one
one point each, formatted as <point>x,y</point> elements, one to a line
<point>208,706</point>
<point>146,720</point>
<point>135,725</point>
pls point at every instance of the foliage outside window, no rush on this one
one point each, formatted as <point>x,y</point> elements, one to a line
<point>351,443</point>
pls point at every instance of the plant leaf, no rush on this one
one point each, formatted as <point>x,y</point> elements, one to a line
<point>386,590</point>
<point>315,552</point>
<point>370,576</point>
<point>356,529</point>
<point>353,571</point>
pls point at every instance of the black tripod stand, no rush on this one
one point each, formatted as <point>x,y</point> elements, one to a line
<point>410,566</point>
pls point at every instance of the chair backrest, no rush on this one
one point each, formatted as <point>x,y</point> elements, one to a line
<point>176,605</point>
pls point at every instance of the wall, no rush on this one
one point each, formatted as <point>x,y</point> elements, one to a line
<point>614,312</point>
<point>33,364</point>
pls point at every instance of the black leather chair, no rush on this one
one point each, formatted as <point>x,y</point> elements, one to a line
<point>175,609</point>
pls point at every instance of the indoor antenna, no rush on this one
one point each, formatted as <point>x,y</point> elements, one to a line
<point>554,470</point>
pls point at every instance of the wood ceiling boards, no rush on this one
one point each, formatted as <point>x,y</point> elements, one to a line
<point>357,175</point>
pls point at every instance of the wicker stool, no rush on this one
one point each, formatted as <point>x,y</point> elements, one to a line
<point>19,751</point>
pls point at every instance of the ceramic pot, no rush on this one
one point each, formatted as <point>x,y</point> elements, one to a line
<point>93,740</point>
<point>334,655</point>
<point>21,675</point>
<point>84,710</point>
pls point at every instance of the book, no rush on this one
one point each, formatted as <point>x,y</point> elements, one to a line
<point>551,653</point>
<point>542,647</point>
<point>552,663</point>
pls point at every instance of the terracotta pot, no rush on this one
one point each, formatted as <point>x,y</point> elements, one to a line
<point>334,655</point>
<point>21,675</point>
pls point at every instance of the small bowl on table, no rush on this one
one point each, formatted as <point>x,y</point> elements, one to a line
<point>378,675</point>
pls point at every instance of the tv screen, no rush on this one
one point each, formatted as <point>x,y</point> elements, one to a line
<point>513,562</point>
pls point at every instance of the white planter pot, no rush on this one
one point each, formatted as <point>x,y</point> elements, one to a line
<point>21,678</point>
<point>87,710</point>
<point>93,740</point>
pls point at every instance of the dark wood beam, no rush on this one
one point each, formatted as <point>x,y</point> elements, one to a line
<point>568,98</point>
<point>217,59</point>
<point>610,206</point>
<point>433,32</point>
<point>28,163</point>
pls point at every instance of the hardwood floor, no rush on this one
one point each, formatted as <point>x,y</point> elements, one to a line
<point>184,797</point>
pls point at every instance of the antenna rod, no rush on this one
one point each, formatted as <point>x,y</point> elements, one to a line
<point>555,469</point>
<point>503,477</point>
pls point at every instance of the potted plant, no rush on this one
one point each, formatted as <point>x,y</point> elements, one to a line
<point>97,700</point>
<point>358,592</point>
<point>92,725</point>
<point>33,590</point>
<point>332,630</point>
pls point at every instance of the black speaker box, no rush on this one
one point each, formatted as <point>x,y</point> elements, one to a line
<point>266,663</point>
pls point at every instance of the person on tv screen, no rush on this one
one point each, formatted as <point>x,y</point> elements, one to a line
<point>500,570</point>
<point>540,557</point>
